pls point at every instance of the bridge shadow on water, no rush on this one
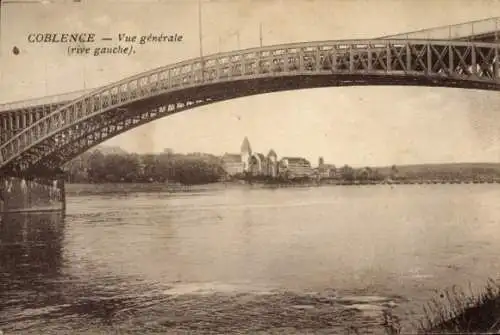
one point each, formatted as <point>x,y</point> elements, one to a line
<point>30,261</point>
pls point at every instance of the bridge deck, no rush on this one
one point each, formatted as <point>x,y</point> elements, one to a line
<point>490,37</point>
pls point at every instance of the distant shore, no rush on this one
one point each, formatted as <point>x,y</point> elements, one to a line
<point>337,182</point>
<point>129,187</point>
<point>340,182</point>
<point>201,168</point>
<point>73,189</point>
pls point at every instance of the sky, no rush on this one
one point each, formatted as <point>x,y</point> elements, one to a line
<point>350,125</point>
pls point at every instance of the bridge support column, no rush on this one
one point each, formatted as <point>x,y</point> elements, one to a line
<point>62,187</point>
<point>31,194</point>
<point>429,59</point>
<point>496,62</point>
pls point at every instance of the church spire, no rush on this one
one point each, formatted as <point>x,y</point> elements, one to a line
<point>245,146</point>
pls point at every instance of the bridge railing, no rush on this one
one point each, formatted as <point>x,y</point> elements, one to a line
<point>453,32</point>
<point>67,97</point>
<point>47,100</point>
<point>222,61</point>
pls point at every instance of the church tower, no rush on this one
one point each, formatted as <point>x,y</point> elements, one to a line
<point>246,153</point>
<point>273,163</point>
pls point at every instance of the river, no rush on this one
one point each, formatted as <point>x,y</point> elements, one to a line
<point>240,259</point>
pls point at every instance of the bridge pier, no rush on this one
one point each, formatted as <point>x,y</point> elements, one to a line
<point>32,194</point>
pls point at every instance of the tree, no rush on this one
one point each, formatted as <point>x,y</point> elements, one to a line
<point>96,166</point>
<point>394,172</point>
<point>347,173</point>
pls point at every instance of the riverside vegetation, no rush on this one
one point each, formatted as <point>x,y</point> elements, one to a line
<point>455,312</point>
<point>118,166</point>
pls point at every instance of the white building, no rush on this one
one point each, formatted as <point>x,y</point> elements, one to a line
<point>295,167</point>
<point>233,164</point>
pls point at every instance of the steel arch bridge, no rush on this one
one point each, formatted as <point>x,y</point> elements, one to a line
<point>67,128</point>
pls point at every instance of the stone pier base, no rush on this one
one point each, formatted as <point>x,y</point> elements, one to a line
<point>31,194</point>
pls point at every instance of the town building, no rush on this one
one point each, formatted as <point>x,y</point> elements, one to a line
<point>325,171</point>
<point>246,154</point>
<point>256,164</point>
<point>272,168</point>
<point>233,164</point>
<point>295,167</point>
<point>168,151</point>
<point>250,163</point>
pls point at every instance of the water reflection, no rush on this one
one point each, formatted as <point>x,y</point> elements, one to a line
<point>39,290</point>
<point>31,248</point>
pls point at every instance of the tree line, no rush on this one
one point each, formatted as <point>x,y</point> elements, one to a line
<point>97,167</point>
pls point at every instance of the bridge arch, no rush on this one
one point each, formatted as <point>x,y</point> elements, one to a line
<point>108,111</point>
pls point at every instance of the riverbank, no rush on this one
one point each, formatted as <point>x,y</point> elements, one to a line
<point>465,314</point>
<point>124,188</point>
<point>455,312</point>
<point>117,188</point>
<point>338,182</point>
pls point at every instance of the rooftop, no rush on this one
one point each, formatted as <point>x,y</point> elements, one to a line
<point>296,160</point>
<point>231,158</point>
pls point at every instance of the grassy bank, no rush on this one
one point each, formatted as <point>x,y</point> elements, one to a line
<point>126,188</point>
<point>456,312</point>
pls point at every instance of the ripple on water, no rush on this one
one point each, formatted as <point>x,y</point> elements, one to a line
<point>213,308</point>
<point>211,288</point>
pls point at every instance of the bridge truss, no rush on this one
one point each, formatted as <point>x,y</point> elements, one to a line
<point>75,126</point>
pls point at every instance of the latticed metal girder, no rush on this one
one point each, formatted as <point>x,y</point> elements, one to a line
<point>397,62</point>
<point>97,132</point>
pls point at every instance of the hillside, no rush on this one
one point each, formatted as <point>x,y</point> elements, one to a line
<point>448,170</point>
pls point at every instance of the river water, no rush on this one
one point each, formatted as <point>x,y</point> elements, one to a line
<point>241,259</point>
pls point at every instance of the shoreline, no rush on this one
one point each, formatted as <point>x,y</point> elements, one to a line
<point>362,183</point>
<point>455,312</point>
<point>132,187</point>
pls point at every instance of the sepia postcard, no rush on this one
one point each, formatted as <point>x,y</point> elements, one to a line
<point>249,167</point>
